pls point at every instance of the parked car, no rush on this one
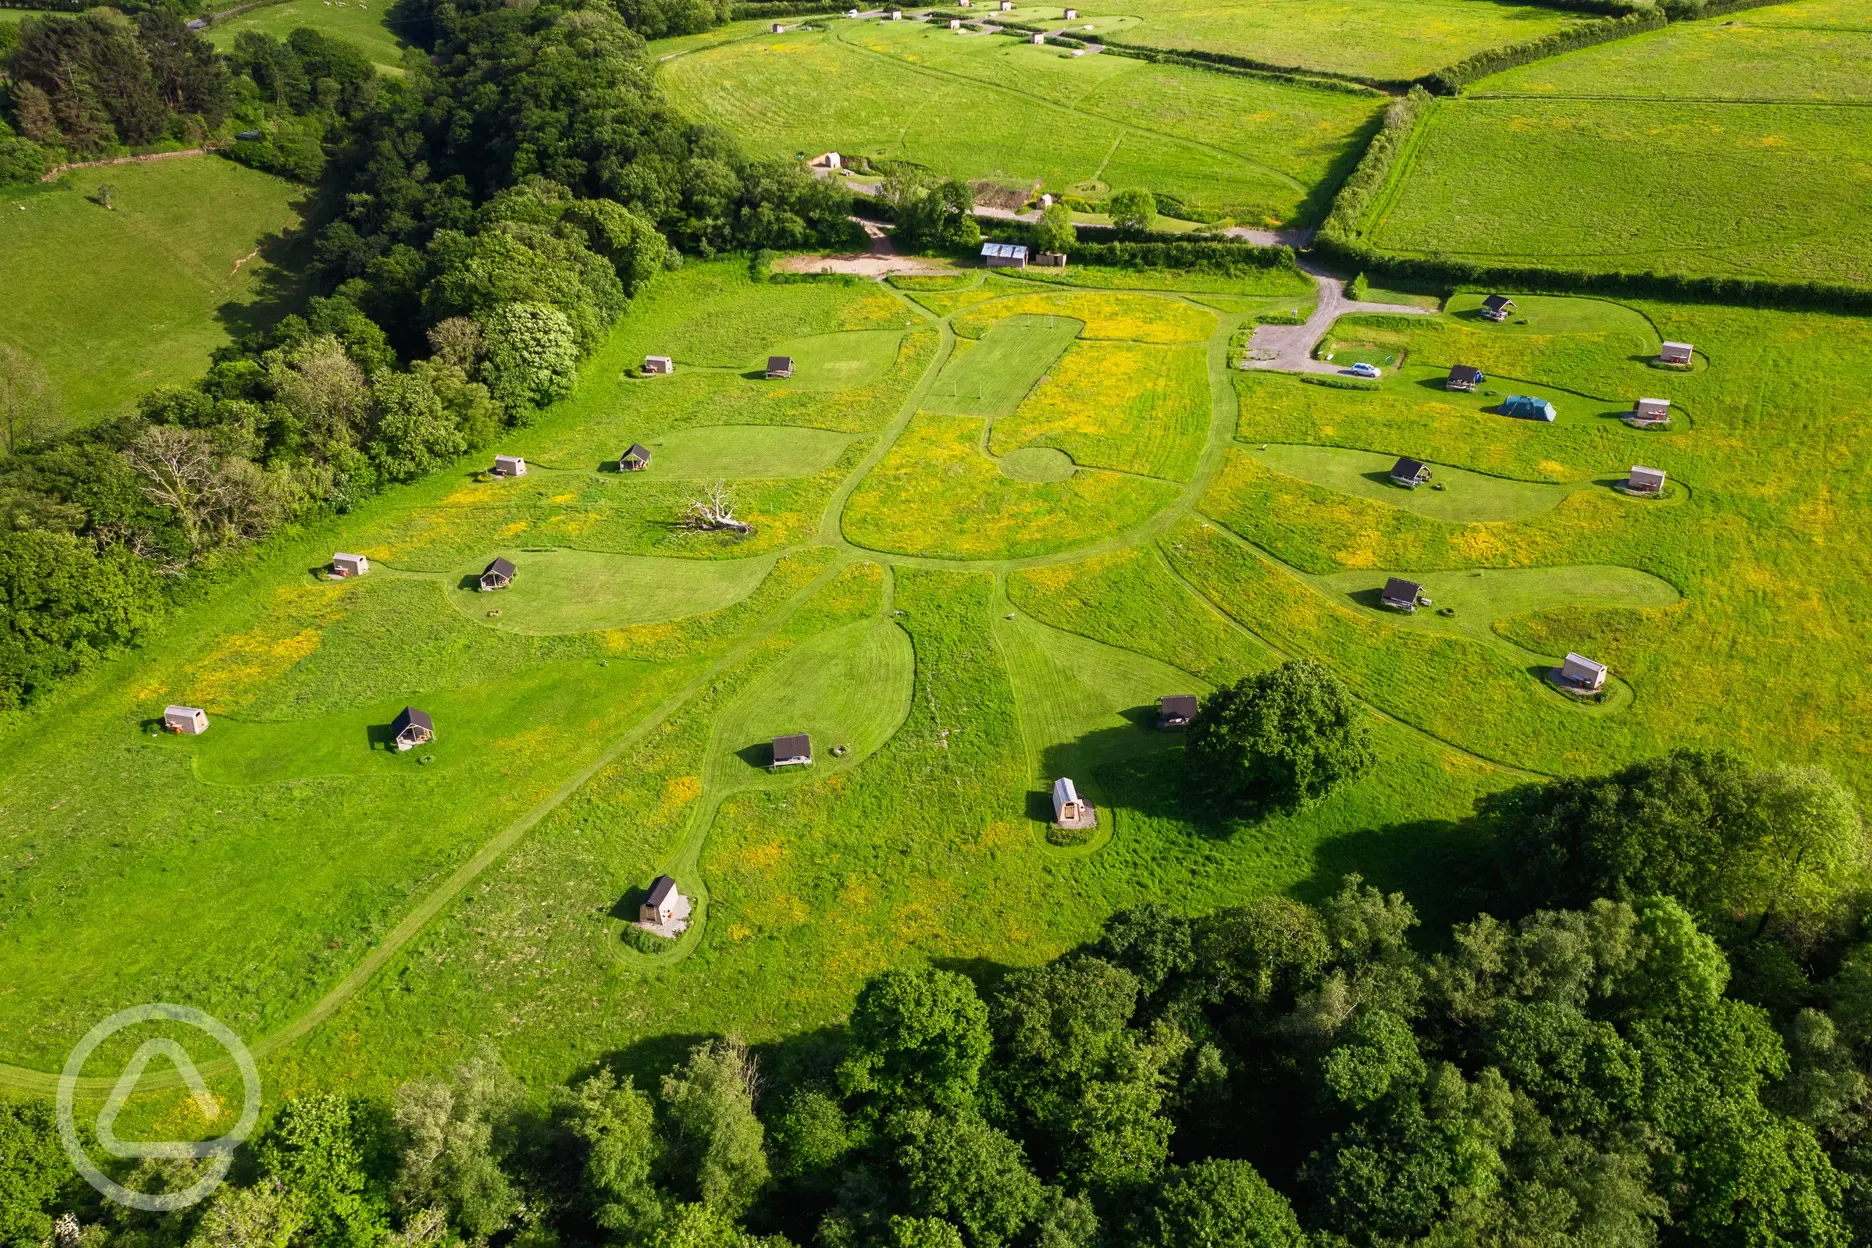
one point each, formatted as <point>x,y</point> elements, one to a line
<point>1366,370</point>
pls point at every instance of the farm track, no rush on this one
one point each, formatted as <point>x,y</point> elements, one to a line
<point>1224,415</point>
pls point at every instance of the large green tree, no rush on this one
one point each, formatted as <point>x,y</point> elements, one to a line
<point>1280,740</point>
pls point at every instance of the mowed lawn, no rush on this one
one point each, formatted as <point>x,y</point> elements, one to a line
<point>1385,39</point>
<point>114,302</point>
<point>1631,157</point>
<point>993,108</point>
<point>361,22</point>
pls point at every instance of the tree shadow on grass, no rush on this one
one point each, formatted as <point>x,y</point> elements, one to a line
<point>285,280</point>
<point>1444,867</point>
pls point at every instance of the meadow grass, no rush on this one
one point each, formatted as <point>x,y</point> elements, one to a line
<point>1251,283</point>
<point>1367,474</point>
<point>1131,599</point>
<point>1122,316</point>
<point>1804,52</point>
<point>577,591</point>
<point>1246,148</point>
<point>936,493</point>
<point>1769,467</point>
<point>359,22</point>
<point>1479,599</point>
<point>993,375</point>
<point>1142,409</point>
<point>1390,39</point>
<point>1746,189</point>
<point>113,302</point>
<point>924,851</point>
<point>712,313</point>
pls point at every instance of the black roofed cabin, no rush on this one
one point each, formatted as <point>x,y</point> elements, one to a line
<point>1463,377</point>
<point>1497,307</point>
<point>793,751</point>
<point>779,367</point>
<point>1400,594</point>
<point>499,575</point>
<point>1176,710</point>
<point>636,459</point>
<point>412,728</point>
<point>1410,473</point>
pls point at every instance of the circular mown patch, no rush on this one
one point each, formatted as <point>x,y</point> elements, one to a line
<point>1038,463</point>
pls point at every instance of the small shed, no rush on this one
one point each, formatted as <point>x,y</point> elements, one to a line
<point>1038,37</point>
<point>1648,412</point>
<point>1463,377</point>
<point>661,905</point>
<point>499,574</point>
<point>793,751</point>
<point>658,366</point>
<point>1410,473</point>
<point>1528,407</point>
<point>1068,807</point>
<point>189,720</point>
<point>349,565</point>
<point>1577,671</point>
<point>778,29</point>
<point>1004,256</point>
<point>896,15</point>
<point>1646,481</point>
<point>411,728</point>
<point>965,4</point>
<point>1176,710</point>
<point>1400,595</point>
<point>1071,15</point>
<point>955,23</point>
<point>1497,307</point>
<point>779,367</point>
<point>1007,6</point>
<point>509,466</point>
<point>1677,353</point>
<point>636,459</point>
<point>851,12</point>
<point>1051,259</point>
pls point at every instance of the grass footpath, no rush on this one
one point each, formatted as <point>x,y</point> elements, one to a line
<point>141,293</point>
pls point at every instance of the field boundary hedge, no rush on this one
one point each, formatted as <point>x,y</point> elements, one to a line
<point>782,8</point>
<point>1172,252</point>
<point>1453,78</point>
<point>1228,62</point>
<point>1340,238</point>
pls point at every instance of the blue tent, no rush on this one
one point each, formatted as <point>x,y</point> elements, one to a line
<point>1526,407</point>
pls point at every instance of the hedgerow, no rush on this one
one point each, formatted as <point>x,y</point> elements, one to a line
<point>1453,78</point>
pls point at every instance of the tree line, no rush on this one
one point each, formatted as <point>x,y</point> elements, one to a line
<point>498,206</point>
<point>1656,1032</point>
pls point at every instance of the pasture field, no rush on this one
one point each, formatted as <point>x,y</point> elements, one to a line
<point>1807,52</point>
<point>185,260</point>
<point>1249,149</point>
<point>971,599</point>
<point>1721,147</point>
<point>361,22</point>
<point>1389,39</point>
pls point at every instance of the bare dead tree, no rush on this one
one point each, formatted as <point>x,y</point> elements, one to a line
<point>713,511</point>
<point>179,472</point>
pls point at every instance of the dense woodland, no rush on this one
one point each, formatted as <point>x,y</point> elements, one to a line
<point>1659,1032</point>
<point>495,210</point>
